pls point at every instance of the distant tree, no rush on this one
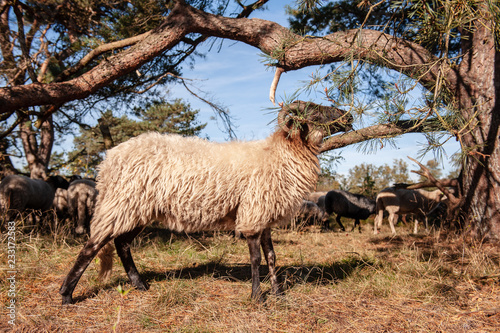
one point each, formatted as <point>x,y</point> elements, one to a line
<point>363,179</point>
<point>368,179</point>
<point>160,116</point>
<point>328,177</point>
<point>368,186</point>
<point>400,172</point>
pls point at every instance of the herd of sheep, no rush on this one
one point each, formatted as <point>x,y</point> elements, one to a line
<point>74,199</point>
<point>190,184</point>
<point>319,206</point>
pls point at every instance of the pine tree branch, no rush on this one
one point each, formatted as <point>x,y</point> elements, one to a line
<point>378,132</point>
<point>295,52</point>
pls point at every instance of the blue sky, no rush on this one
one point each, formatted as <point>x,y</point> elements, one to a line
<point>237,77</point>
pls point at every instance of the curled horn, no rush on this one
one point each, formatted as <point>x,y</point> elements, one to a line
<point>282,121</point>
<point>297,107</point>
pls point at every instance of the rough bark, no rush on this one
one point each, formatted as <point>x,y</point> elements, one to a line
<point>374,132</point>
<point>6,166</point>
<point>479,104</point>
<point>37,151</point>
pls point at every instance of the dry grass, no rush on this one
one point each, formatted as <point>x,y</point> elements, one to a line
<point>334,282</point>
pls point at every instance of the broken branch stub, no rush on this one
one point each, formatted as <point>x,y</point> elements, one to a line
<point>274,84</point>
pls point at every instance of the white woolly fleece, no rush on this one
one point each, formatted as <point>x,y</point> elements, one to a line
<point>191,184</point>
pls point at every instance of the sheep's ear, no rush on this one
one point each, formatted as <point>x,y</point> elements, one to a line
<point>314,134</point>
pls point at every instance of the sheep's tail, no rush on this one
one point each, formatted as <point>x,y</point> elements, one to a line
<point>106,259</point>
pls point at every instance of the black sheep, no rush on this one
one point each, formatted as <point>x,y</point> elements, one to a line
<point>346,204</point>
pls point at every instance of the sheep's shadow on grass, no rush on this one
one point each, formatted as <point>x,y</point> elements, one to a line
<point>289,276</point>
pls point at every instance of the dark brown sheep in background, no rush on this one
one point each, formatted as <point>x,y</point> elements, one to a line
<point>346,204</point>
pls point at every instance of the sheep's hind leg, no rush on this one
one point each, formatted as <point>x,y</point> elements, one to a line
<point>84,258</point>
<point>122,244</point>
<point>393,218</point>
<point>254,242</point>
<point>356,223</point>
<point>270,255</point>
<point>81,225</point>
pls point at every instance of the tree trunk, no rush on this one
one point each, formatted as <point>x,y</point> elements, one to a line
<point>479,102</point>
<point>6,166</point>
<point>38,153</point>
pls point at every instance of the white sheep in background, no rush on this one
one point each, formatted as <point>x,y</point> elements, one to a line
<point>399,201</point>
<point>82,196</point>
<point>191,185</point>
<point>19,193</point>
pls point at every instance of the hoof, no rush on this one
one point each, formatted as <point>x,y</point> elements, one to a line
<point>139,284</point>
<point>79,230</point>
<point>143,286</point>
<point>67,300</point>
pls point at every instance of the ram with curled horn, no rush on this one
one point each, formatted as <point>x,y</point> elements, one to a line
<point>190,184</point>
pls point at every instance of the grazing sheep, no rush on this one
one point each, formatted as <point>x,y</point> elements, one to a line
<point>191,185</point>
<point>398,201</point>
<point>346,204</point>
<point>60,203</point>
<point>309,213</point>
<point>314,196</point>
<point>18,193</point>
<point>82,196</point>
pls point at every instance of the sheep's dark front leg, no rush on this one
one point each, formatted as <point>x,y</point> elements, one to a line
<point>267,246</point>
<point>122,244</point>
<point>83,260</point>
<point>340,223</point>
<point>255,259</point>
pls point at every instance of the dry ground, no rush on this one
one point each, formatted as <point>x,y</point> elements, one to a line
<point>333,282</point>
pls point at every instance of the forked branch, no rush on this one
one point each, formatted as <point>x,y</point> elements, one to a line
<point>455,198</point>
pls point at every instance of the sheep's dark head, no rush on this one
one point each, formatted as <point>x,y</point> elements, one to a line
<point>57,182</point>
<point>312,121</point>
